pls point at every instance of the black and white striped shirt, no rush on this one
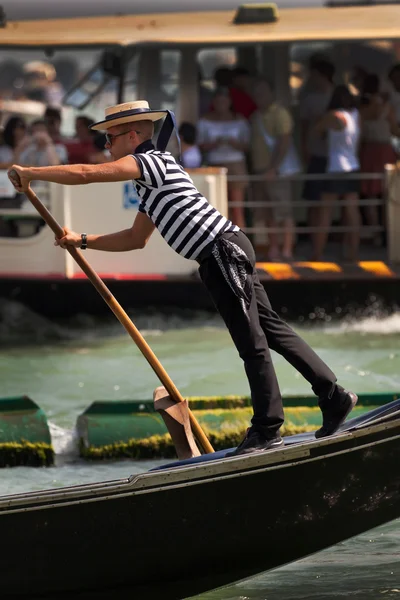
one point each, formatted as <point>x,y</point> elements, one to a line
<point>184,218</point>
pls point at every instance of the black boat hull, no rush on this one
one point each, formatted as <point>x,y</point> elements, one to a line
<point>175,533</point>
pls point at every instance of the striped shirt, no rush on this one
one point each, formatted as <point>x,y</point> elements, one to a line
<point>184,218</point>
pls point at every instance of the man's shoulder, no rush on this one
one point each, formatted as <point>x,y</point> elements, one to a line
<point>160,154</point>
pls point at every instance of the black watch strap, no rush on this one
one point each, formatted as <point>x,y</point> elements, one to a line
<point>84,241</point>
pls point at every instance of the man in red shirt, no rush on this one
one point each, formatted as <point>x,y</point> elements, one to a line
<point>81,148</point>
<point>242,101</point>
<point>238,81</point>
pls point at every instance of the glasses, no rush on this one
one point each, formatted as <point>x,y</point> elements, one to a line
<point>110,137</point>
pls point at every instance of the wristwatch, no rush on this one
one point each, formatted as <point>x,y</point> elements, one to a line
<point>84,241</point>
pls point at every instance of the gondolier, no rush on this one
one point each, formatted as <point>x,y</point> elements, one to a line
<point>197,231</point>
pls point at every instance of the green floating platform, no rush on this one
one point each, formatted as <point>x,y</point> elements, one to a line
<point>24,434</point>
<point>133,429</point>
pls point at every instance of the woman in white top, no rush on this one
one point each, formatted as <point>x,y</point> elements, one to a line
<point>341,124</point>
<point>224,138</point>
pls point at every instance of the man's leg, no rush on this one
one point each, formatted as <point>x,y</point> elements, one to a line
<point>251,343</point>
<point>292,347</point>
<point>335,402</point>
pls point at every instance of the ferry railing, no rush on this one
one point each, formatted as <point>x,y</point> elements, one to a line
<point>297,202</point>
<point>393,211</point>
<point>26,219</point>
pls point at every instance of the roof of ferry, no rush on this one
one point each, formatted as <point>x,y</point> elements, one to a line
<point>22,10</point>
<point>294,24</point>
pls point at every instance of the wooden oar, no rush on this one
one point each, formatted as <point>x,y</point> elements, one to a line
<point>119,313</point>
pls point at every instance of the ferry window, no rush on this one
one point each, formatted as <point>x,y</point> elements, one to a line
<point>131,78</point>
<point>31,80</point>
<point>210,59</point>
<point>170,65</point>
<point>95,108</point>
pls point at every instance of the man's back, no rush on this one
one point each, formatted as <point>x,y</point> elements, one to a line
<point>182,215</point>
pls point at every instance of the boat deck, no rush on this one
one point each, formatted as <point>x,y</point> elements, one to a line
<point>372,417</point>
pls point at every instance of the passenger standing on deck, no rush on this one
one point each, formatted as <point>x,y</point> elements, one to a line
<point>378,125</point>
<point>312,107</point>
<point>274,157</point>
<point>196,230</point>
<point>223,137</point>
<point>341,123</point>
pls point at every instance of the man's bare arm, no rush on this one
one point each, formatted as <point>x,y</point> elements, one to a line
<point>122,241</point>
<point>124,169</point>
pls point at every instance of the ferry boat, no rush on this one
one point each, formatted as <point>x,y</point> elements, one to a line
<point>158,57</point>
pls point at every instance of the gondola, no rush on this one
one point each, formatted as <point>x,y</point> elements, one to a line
<point>194,525</point>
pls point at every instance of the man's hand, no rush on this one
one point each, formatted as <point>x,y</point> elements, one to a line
<point>71,238</point>
<point>21,183</point>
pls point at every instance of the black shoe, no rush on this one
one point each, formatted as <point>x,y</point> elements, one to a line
<point>256,442</point>
<point>335,411</point>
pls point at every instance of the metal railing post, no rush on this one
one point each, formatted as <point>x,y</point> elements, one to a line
<point>392,194</point>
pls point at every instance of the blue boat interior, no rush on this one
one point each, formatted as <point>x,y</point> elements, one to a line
<point>388,411</point>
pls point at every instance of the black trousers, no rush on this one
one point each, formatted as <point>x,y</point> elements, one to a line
<point>258,332</point>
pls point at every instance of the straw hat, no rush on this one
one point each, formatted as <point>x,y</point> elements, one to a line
<point>127,113</point>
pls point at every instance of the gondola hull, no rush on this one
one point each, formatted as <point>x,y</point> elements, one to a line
<point>176,532</point>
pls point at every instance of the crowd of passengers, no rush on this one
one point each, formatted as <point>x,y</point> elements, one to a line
<point>41,144</point>
<point>344,130</point>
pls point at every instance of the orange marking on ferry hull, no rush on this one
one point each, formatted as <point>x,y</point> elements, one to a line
<point>321,267</point>
<point>278,270</point>
<point>378,268</point>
